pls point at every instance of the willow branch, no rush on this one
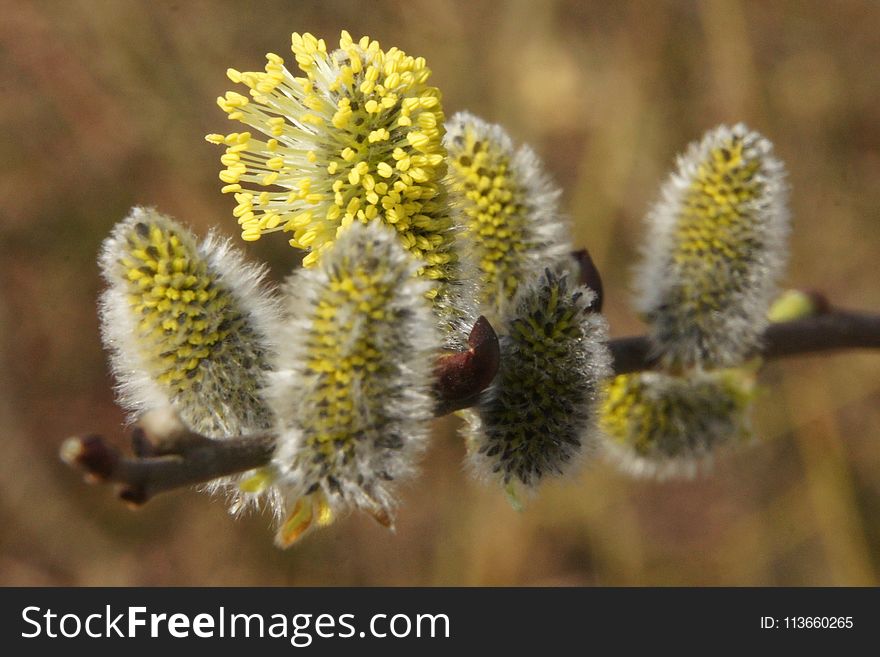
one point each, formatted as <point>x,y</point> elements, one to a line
<point>141,477</point>
<point>831,331</point>
<point>165,461</point>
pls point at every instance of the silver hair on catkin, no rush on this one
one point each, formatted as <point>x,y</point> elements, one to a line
<point>188,326</point>
<point>537,419</point>
<point>353,388</point>
<point>655,424</point>
<point>715,249</point>
<point>509,207</point>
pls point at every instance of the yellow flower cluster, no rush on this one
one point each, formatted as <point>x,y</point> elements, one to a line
<point>174,297</point>
<point>714,225</point>
<point>358,138</point>
<point>494,203</point>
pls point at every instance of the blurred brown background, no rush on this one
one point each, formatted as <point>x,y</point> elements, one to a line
<point>105,104</point>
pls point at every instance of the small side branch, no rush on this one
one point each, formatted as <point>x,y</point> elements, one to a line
<point>198,460</point>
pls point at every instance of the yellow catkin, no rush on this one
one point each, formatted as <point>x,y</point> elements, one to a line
<point>509,207</point>
<point>359,115</point>
<point>658,423</point>
<point>354,396</point>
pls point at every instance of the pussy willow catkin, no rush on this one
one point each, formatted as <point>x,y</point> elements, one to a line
<point>658,424</point>
<point>353,387</point>
<point>187,325</point>
<point>537,417</point>
<point>357,138</point>
<point>509,208</point>
<point>715,247</point>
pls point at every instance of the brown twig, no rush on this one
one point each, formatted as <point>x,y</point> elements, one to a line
<point>183,458</point>
<point>831,331</point>
<point>142,477</point>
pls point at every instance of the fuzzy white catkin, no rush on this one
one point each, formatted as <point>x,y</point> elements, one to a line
<point>715,249</point>
<point>537,417</point>
<point>352,391</point>
<point>509,208</point>
<point>188,326</point>
<point>656,424</point>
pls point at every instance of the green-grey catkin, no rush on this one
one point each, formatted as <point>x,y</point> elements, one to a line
<point>537,417</point>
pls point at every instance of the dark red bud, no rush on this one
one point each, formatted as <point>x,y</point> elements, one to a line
<point>460,378</point>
